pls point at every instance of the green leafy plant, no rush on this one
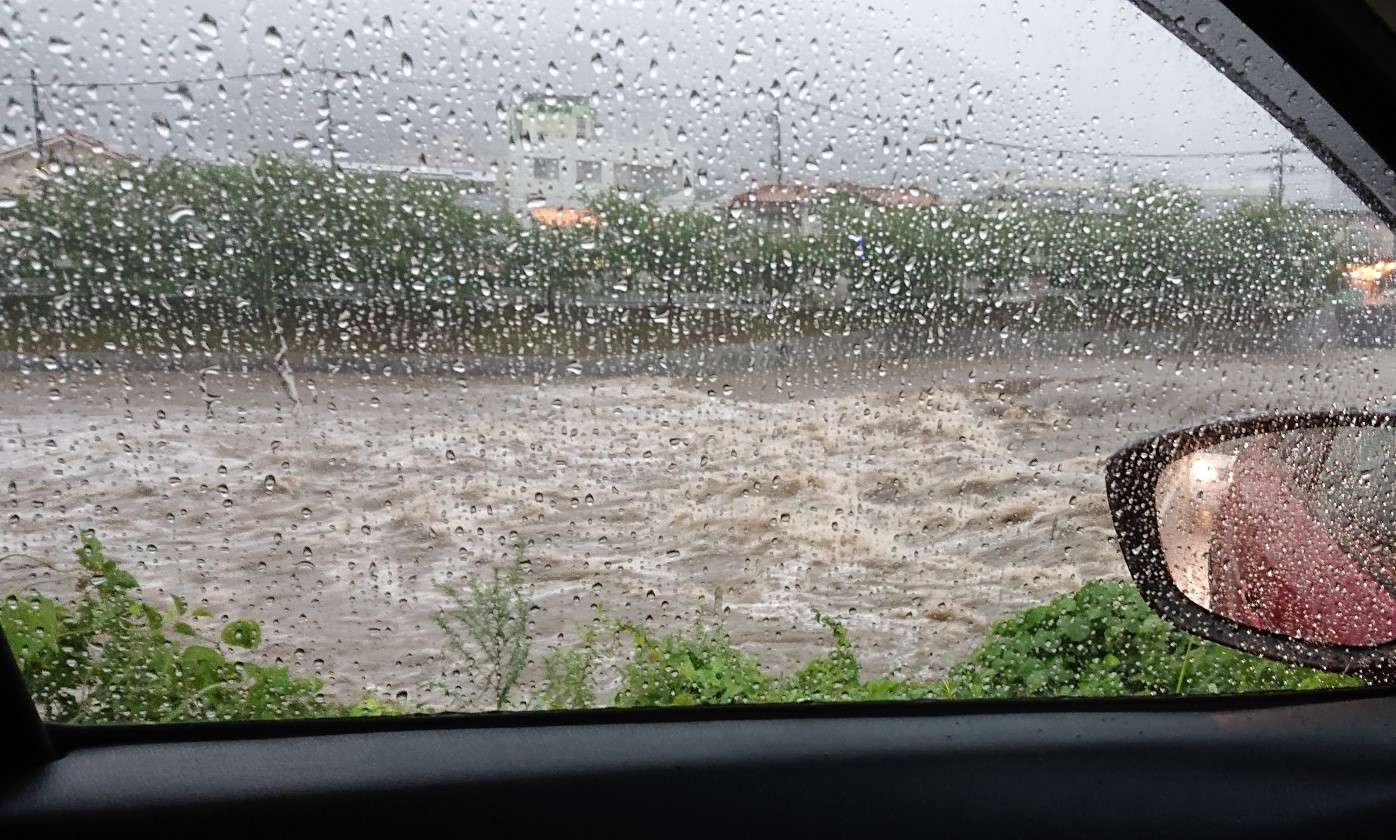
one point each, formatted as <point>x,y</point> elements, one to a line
<point>1104,641</point>
<point>568,681</point>
<point>702,666</point>
<point>113,657</point>
<point>837,677</point>
<point>487,626</point>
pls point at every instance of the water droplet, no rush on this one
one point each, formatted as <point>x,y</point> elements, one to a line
<point>273,37</point>
<point>208,27</point>
<point>58,46</point>
<point>406,64</point>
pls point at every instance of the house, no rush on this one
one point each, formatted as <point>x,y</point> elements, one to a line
<point>18,166</point>
<point>892,197</point>
<point>784,208</point>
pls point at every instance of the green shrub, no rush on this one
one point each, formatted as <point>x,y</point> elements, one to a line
<point>1104,641</point>
<point>838,677</point>
<point>569,680</point>
<point>374,707</point>
<point>702,666</point>
<point>488,628</point>
<point>111,657</point>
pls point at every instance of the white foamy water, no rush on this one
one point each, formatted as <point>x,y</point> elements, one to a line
<point>918,502</point>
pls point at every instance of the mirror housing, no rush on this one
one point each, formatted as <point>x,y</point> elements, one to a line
<point>1245,532</point>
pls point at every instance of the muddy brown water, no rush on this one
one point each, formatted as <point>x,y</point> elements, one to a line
<point>917,501</point>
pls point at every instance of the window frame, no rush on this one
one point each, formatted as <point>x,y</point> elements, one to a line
<point>1057,748</point>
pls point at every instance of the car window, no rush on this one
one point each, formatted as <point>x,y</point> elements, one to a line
<point>375,358</point>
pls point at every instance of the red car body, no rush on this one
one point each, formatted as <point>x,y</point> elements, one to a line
<point>1278,562</point>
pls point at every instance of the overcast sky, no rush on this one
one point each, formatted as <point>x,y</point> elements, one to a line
<point>867,90</point>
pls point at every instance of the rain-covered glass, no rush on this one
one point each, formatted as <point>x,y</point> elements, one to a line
<point>369,358</point>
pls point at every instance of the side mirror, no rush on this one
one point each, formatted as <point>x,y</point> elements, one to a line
<point>1274,535</point>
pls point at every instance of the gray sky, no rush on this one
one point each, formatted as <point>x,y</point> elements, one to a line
<point>862,85</point>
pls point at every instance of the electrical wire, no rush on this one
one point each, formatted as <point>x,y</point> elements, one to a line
<point>860,121</point>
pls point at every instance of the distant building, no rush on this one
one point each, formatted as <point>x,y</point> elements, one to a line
<point>1070,196</point>
<point>786,208</point>
<point>893,197</point>
<point>795,209</point>
<point>559,158</point>
<point>477,188</point>
<point>20,165</point>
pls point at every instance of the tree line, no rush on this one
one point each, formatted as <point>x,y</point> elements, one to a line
<point>262,232</point>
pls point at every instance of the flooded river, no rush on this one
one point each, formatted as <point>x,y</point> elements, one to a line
<point>918,501</point>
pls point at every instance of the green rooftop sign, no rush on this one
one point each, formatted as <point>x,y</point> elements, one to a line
<point>541,117</point>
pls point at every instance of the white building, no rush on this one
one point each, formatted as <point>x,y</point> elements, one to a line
<point>559,158</point>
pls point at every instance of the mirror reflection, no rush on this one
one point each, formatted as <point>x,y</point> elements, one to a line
<point>1291,532</point>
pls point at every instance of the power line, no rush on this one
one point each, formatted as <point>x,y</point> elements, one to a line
<point>202,80</point>
<point>852,119</point>
<point>861,121</point>
<point>267,74</point>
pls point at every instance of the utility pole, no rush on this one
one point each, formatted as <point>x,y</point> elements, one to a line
<point>329,130</point>
<point>777,159</point>
<point>38,115</point>
<point>1279,169</point>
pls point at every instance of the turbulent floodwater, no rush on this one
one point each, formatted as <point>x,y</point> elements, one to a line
<point>917,501</point>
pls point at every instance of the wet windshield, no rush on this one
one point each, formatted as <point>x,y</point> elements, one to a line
<point>373,358</point>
